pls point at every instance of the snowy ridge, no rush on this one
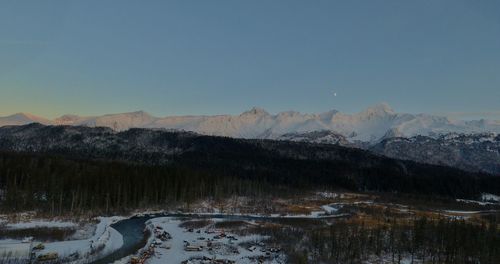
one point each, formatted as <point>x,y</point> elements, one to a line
<point>371,125</point>
<point>23,119</point>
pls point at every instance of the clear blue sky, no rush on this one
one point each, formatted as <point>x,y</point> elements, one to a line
<point>210,57</point>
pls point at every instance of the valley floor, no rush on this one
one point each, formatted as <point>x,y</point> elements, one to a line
<point>245,230</point>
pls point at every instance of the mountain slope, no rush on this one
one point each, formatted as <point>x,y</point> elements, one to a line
<point>472,152</point>
<point>22,119</point>
<point>275,162</point>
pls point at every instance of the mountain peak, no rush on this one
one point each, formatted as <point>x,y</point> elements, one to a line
<point>328,116</point>
<point>256,111</point>
<point>140,112</point>
<point>27,117</point>
<point>134,113</point>
<point>382,108</point>
<point>24,115</point>
<point>67,119</point>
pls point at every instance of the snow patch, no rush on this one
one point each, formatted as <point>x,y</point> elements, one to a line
<point>41,224</point>
<point>488,197</point>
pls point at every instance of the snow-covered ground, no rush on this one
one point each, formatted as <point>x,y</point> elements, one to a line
<point>97,240</point>
<point>173,250</point>
<point>331,208</point>
<point>10,248</point>
<point>104,237</point>
<point>327,211</point>
<point>488,197</point>
<point>474,202</point>
<point>104,241</point>
<point>41,223</point>
<point>462,212</point>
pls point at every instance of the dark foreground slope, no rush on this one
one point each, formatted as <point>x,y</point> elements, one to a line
<point>85,167</point>
<point>471,152</point>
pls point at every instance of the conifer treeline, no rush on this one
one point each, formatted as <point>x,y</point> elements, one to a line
<point>59,185</point>
<point>423,241</point>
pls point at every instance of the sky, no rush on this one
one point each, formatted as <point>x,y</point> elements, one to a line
<point>213,57</point>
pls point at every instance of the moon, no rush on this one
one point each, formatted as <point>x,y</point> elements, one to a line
<point>335,94</point>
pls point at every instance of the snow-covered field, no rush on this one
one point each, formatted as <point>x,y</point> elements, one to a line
<point>213,243</point>
<point>488,197</point>
<point>105,237</point>
<point>10,248</point>
<point>41,223</point>
<point>104,241</point>
<point>206,243</point>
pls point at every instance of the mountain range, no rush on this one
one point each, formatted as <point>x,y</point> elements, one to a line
<point>468,145</point>
<point>369,126</point>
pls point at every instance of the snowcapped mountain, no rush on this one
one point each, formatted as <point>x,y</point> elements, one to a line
<point>119,122</point>
<point>371,125</point>
<point>22,119</point>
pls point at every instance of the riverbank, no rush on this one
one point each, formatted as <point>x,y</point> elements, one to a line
<point>104,240</point>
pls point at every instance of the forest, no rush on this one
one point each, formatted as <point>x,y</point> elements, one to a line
<point>58,184</point>
<point>418,241</point>
<point>147,157</point>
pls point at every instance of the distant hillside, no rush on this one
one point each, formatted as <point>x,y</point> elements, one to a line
<point>472,152</point>
<point>274,162</point>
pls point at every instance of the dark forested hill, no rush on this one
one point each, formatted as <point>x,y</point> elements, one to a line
<point>140,153</point>
<point>472,152</point>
